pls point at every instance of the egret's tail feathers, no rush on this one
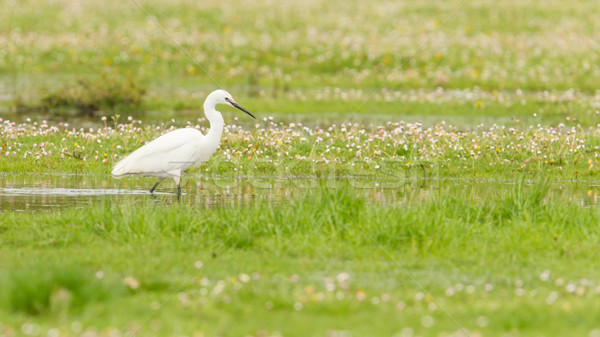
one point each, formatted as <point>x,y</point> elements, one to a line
<point>117,174</point>
<point>119,170</point>
<point>129,166</point>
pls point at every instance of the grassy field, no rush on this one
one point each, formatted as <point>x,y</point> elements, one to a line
<point>379,230</point>
<point>324,263</point>
<point>528,45</point>
<point>393,149</point>
<point>504,58</point>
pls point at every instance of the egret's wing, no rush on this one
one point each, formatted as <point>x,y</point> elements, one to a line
<point>172,150</point>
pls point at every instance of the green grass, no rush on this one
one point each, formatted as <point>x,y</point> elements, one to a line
<point>293,50</point>
<point>392,150</point>
<point>482,259</point>
<point>506,91</point>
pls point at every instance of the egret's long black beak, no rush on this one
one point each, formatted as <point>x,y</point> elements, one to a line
<point>239,107</point>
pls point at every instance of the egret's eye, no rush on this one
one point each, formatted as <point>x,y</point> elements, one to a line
<point>227,99</point>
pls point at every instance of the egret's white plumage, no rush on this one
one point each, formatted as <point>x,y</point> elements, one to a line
<point>172,153</point>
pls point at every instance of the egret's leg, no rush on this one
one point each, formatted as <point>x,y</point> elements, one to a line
<point>178,181</point>
<point>158,182</point>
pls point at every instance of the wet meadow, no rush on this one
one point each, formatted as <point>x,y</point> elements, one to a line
<point>416,169</point>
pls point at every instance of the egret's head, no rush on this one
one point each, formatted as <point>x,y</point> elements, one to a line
<point>223,97</point>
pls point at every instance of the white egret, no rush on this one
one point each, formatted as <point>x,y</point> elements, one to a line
<point>172,153</point>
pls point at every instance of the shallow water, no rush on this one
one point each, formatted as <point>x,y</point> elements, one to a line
<point>30,192</point>
<point>47,192</point>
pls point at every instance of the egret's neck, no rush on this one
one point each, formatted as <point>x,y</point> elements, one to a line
<point>216,121</point>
